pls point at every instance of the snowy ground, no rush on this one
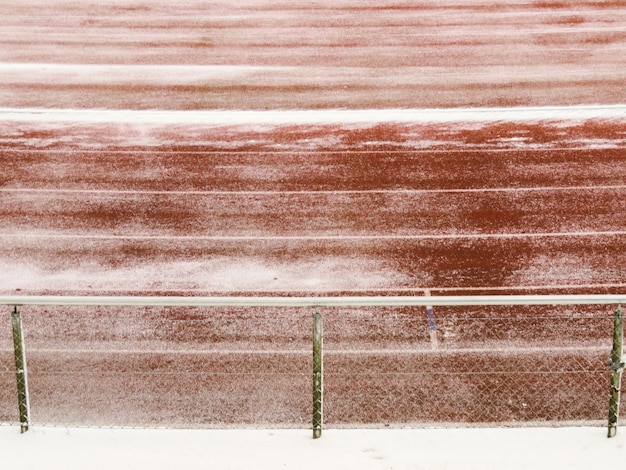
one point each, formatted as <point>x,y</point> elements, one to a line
<point>467,449</point>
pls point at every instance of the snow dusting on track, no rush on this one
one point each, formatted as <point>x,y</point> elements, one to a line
<point>312,148</point>
<point>311,117</point>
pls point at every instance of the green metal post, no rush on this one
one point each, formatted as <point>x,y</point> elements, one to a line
<point>20,369</point>
<point>318,375</point>
<point>617,366</point>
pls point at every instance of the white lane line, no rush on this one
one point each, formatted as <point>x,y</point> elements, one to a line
<point>314,192</point>
<point>426,350</point>
<point>298,151</point>
<point>330,116</point>
<point>466,236</point>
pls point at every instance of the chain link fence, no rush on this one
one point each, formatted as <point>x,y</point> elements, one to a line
<point>489,366</point>
<point>197,367</point>
<point>171,367</point>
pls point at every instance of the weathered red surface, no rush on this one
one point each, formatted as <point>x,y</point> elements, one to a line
<point>340,54</point>
<point>524,206</point>
<point>482,215</point>
<point>324,209</point>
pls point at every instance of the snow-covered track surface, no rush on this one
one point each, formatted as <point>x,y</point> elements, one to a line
<point>341,54</point>
<point>328,208</point>
<point>282,149</point>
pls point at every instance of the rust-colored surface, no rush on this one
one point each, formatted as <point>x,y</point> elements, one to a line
<point>340,54</point>
<point>475,213</point>
<point>509,206</point>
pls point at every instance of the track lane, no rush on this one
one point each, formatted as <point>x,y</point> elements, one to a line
<point>347,169</point>
<point>324,215</point>
<point>227,266</point>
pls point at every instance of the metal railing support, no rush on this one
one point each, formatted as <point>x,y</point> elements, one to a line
<point>20,369</point>
<point>318,375</point>
<point>616,364</point>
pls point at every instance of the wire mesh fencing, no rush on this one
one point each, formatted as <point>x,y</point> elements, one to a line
<point>489,366</point>
<point>197,367</point>
<point>166,367</point>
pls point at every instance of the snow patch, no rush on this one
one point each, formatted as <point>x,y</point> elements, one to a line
<point>579,448</point>
<point>217,274</point>
<point>102,74</point>
<point>550,269</point>
<point>310,117</point>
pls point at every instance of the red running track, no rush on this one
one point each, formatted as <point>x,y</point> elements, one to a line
<point>124,206</point>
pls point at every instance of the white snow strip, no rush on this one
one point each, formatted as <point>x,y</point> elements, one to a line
<point>315,192</point>
<point>312,117</point>
<point>130,73</point>
<point>186,74</point>
<point>450,236</point>
<point>71,448</point>
<point>163,291</point>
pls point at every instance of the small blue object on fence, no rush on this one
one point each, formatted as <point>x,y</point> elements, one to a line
<point>432,325</point>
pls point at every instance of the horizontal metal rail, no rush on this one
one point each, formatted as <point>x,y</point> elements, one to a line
<point>349,301</point>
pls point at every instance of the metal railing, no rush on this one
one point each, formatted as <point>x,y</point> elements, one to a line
<point>616,362</point>
<point>312,302</point>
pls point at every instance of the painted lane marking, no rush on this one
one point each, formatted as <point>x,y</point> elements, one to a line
<point>314,192</point>
<point>466,236</point>
<point>303,151</point>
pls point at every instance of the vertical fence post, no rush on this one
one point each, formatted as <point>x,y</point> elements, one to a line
<point>20,369</point>
<point>318,375</point>
<point>617,366</point>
